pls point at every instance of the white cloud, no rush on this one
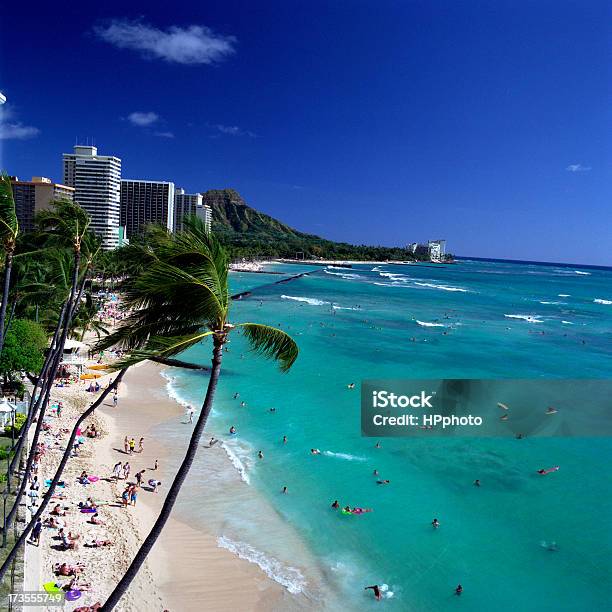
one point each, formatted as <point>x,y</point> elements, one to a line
<point>143,119</point>
<point>578,168</point>
<point>189,45</point>
<point>164,134</point>
<point>233,130</point>
<point>14,130</point>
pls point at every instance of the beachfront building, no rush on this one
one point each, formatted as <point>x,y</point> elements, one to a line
<point>144,202</point>
<point>190,204</point>
<point>96,180</point>
<point>437,250</point>
<point>36,195</point>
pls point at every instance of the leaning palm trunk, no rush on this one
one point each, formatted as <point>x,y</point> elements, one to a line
<point>69,314</point>
<point>36,397</point>
<point>8,266</point>
<point>176,485</point>
<point>58,474</point>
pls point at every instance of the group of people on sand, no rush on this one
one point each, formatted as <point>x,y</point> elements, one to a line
<point>129,445</point>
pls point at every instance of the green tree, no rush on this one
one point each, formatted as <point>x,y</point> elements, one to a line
<point>180,298</point>
<point>24,347</point>
<point>9,229</point>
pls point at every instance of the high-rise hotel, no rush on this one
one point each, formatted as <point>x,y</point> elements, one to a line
<point>190,204</point>
<point>96,180</point>
<point>144,202</point>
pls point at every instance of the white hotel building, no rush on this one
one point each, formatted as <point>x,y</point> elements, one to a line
<point>96,180</point>
<point>190,204</point>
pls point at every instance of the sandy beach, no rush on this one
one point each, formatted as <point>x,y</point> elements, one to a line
<point>187,570</point>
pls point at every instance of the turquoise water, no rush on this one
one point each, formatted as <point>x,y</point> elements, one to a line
<point>474,319</point>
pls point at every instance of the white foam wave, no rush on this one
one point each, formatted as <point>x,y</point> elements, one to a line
<point>311,301</point>
<point>528,318</point>
<point>341,275</point>
<point>172,391</point>
<point>602,301</point>
<point>289,577</point>
<point>240,456</point>
<point>582,273</point>
<point>426,324</point>
<point>344,456</point>
<point>393,276</point>
<point>567,322</point>
<point>564,295</point>
<point>555,303</point>
<point>336,307</point>
<point>375,269</point>
<point>335,268</point>
<point>442,287</point>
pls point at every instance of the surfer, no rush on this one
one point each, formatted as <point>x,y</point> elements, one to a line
<point>376,590</point>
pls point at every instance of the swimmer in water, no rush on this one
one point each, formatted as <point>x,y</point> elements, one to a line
<point>504,417</point>
<point>383,482</point>
<point>458,590</point>
<point>376,590</point>
<point>243,404</point>
<point>375,473</point>
<point>350,386</point>
<point>284,439</point>
<point>236,395</point>
<point>435,523</point>
<point>284,490</point>
<point>232,430</point>
<point>477,483</point>
<point>377,445</point>
<point>260,455</point>
<point>551,410</point>
<point>315,451</point>
<point>335,505</point>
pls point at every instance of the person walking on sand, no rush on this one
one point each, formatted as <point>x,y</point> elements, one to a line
<point>141,445</point>
<point>126,445</point>
<point>115,399</point>
<point>190,413</point>
<point>132,445</point>
<point>156,465</point>
<point>35,535</point>
<point>126,470</point>
<point>117,470</point>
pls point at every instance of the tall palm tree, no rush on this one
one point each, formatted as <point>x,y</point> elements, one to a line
<point>9,229</point>
<point>178,300</point>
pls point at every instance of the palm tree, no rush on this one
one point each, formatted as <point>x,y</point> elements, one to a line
<point>9,229</point>
<point>179,299</point>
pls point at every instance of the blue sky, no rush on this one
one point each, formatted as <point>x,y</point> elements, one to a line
<point>482,122</point>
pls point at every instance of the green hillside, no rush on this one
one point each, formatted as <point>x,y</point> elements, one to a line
<point>246,232</point>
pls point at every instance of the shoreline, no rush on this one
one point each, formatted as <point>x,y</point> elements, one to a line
<point>181,547</point>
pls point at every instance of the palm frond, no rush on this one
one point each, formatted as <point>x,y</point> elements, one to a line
<point>272,343</point>
<point>9,226</point>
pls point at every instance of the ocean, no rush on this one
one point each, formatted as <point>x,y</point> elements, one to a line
<point>475,319</point>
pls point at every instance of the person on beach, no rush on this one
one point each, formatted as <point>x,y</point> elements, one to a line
<point>57,510</point>
<point>35,535</point>
<point>139,478</point>
<point>154,484</point>
<point>125,497</point>
<point>141,445</point>
<point>126,470</point>
<point>60,407</point>
<point>115,399</point>
<point>190,413</point>
<point>376,589</point>
<point>156,464</point>
<point>95,519</point>
<point>132,444</point>
<point>117,470</point>
<point>126,445</point>
<point>435,523</point>
<point>133,495</point>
